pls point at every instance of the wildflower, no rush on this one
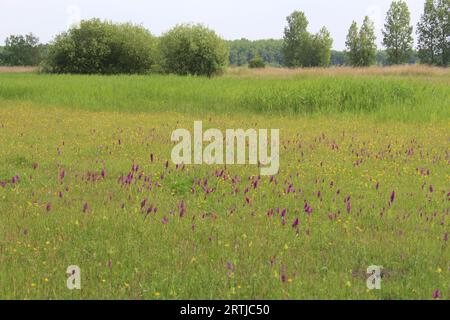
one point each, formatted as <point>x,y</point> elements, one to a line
<point>182,208</point>
<point>307,208</point>
<point>165,220</point>
<point>392,197</point>
<point>295,224</point>
<point>85,207</point>
<point>143,203</point>
<point>437,294</point>
<point>230,266</point>
<point>48,207</point>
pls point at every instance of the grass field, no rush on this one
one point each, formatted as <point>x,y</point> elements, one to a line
<point>86,179</point>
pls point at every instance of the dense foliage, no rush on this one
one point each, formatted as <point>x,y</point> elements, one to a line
<point>22,50</point>
<point>193,49</point>
<point>256,63</point>
<point>302,49</point>
<point>243,50</point>
<point>433,30</point>
<point>97,47</point>
<point>397,33</point>
<point>361,46</point>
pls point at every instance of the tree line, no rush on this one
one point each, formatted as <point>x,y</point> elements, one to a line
<point>433,32</point>
<point>97,46</point>
<point>299,48</point>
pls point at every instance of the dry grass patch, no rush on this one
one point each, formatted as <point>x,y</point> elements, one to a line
<point>406,70</point>
<point>18,69</point>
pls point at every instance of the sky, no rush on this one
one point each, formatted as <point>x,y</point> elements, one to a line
<point>232,19</point>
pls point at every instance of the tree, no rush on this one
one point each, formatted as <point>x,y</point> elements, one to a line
<point>243,50</point>
<point>21,50</point>
<point>434,33</point>
<point>302,49</point>
<point>97,47</point>
<point>321,48</point>
<point>353,44</point>
<point>443,13</point>
<point>367,40</point>
<point>193,49</point>
<point>256,63</point>
<point>338,58</point>
<point>296,40</point>
<point>361,46</point>
<point>382,58</point>
<point>397,33</point>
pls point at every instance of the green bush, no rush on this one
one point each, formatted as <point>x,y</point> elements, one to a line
<point>256,63</point>
<point>193,49</point>
<point>97,47</point>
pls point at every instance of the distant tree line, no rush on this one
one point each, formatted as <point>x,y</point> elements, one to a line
<point>243,51</point>
<point>104,47</point>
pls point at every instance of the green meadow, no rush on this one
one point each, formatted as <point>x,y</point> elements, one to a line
<point>86,179</point>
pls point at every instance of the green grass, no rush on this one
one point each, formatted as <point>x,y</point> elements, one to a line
<point>395,98</point>
<point>339,146</point>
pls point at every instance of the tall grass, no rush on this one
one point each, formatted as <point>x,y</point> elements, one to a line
<point>407,98</point>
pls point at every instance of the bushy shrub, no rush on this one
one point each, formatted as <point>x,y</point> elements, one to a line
<point>193,49</point>
<point>97,47</point>
<point>256,63</point>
